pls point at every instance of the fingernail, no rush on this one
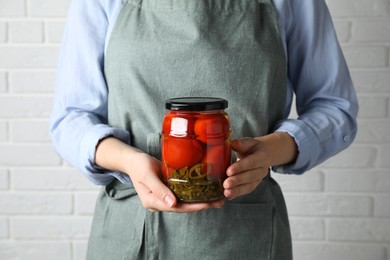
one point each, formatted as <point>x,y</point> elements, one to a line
<point>169,200</point>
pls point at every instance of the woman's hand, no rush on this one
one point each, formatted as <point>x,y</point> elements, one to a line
<point>155,196</point>
<point>253,162</point>
<point>144,171</point>
<point>254,158</point>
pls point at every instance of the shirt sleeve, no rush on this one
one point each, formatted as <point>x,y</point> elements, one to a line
<point>326,101</point>
<point>79,117</point>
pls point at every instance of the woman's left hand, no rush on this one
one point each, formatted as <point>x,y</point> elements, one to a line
<point>252,165</point>
<point>255,156</point>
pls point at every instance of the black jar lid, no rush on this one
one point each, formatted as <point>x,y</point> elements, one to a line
<point>196,103</point>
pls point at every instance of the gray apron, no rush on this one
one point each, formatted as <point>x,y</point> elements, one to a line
<point>161,49</point>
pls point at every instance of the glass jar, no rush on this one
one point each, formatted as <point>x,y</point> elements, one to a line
<point>196,148</point>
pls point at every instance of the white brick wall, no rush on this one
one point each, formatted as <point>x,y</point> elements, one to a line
<point>340,210</point>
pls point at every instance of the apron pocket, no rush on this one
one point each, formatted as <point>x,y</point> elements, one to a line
<point>118,224</point>
<point>117,190</point>
<point>159,5</point>
<point>236,231</point>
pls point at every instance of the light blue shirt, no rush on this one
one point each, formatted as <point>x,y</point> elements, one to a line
<point>326,101</point>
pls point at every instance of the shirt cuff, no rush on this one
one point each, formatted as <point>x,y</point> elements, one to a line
<point>307,143</point>
<point>88,145</point>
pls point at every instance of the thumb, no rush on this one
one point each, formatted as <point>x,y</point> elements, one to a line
<point>243,145</point>
<point>161,191</point>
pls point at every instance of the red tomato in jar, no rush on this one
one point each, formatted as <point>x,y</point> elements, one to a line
<point>166,171</point>
<point>217,159</point>
<point>166,128</point>
<point>178,125</point>
<point>181,152</point>
<point>212,129</point>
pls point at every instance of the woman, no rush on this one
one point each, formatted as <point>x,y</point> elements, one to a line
<point>121,60</point>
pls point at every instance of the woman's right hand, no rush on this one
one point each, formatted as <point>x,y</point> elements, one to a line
<point>144,171</point>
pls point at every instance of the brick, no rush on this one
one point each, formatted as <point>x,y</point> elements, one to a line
<point>39,57</point>
<point>373,106</point>
<point>373,131</point>
<point>25,106</point>
<point>383,156</point>
<point>50,227</point>
<point>366,56</point>
<point>340,251</point>
<point>4,179</point>
<point>3,228</point>
<point>373,230</point>
<point>355,157</point>
<point>382,203</point>
<point>80,250</point>
<point>28,155</point>
<point>371,81</point>
<point>14,8</point>
<point>372,30</point>
<point>64,178</point>
<point>48,8</point>
<point>3,131</point>
<point>307,229</point>
<point>370,181</point>
<point>35,250</point>
<point>3,82</point>
<point>26,32</point>
<point>3,32</point>
<point>317,204</point>
<point>38,131</point>
<point>32,81</point>
<point>358,8</point>
<point>310,181</point>
<point>343,30</point>
<point>85,203</point>
<point>35,203</point>
<point>55,31</point>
